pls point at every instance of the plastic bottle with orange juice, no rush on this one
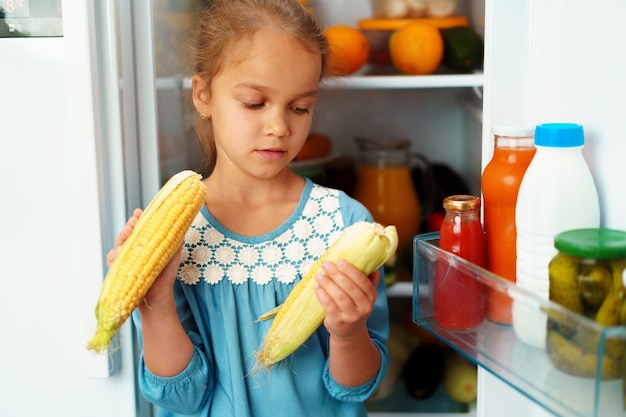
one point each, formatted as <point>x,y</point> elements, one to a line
<point>513,150</point>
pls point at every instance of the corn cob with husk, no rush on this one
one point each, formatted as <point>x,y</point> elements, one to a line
<point>365,245</point>
<point>150,246</point>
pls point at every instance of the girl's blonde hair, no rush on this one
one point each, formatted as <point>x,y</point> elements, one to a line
<point>225,22</point>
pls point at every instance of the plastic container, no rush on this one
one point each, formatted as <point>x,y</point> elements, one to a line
<point>406,9</point>
<point>455,307</point>
<point>557,194</point>
<point>586,277</point>
<point>514,148</point>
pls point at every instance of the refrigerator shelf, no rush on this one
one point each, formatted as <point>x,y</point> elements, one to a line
<point>496,348</point>
<point>400,82</point>
<point>400,289</point>
<point>365,82</point>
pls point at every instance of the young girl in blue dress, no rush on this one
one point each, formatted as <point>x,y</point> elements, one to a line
<point>258,66</point>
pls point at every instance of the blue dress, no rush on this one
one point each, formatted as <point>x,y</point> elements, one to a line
<point>224,283</point>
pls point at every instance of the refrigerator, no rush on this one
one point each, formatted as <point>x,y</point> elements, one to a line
<point>93,120</point>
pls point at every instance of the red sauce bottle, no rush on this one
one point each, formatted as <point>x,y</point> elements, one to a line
<point>459,300</point>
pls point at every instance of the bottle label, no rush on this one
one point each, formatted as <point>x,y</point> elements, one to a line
<point>534,253</point>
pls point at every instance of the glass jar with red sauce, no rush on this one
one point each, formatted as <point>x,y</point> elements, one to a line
<point>458,299</point>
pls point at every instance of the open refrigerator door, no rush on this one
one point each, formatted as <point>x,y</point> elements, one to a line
<point>550,61</point>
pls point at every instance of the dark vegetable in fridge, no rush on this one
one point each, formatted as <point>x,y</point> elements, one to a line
<point>423,371</point>
<point>462,49</point>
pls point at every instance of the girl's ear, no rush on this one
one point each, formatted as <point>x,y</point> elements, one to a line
<point>201,95</point>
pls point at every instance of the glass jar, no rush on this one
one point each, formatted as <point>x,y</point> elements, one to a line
<point>458,299</point>
<point>586,277</point>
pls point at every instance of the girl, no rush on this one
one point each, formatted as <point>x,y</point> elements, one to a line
<point>258,64</point>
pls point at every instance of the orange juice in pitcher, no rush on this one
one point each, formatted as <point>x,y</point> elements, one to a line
<point>385,186</point>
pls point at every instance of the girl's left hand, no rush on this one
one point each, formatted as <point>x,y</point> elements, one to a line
<point>347,295</point>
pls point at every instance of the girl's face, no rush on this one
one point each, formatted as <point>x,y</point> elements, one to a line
<point>261,103</point>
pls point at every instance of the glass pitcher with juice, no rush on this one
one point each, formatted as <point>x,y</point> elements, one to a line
<point>385,185</point>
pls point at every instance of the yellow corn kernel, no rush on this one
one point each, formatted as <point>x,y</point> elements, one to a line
<point>365,245</point>
<point>152,243</point>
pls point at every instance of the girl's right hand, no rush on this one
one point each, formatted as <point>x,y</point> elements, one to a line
<point>162,288</point>
<point>167,350</point>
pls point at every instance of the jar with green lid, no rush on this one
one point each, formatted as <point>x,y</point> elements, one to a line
<point>586,277</point>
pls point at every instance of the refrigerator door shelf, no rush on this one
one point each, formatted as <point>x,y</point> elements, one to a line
<point>496,347</point>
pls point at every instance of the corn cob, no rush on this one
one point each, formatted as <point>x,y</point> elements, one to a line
<point>150,246</point>
<point>365,245</point>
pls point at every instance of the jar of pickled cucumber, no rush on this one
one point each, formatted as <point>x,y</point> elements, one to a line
<point>586,278</point>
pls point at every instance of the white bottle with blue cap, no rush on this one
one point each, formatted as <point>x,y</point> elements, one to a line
<point>556,194</point>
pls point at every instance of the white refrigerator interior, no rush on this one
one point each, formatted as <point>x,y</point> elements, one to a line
<point>56,227</point>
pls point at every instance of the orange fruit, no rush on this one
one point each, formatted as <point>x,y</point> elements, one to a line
<point>317,145</point>
<point>416,48</point>
<point>349,49</point>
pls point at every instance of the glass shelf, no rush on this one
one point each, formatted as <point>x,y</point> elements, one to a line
<point>365,81</point>
<point>530,370</point>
